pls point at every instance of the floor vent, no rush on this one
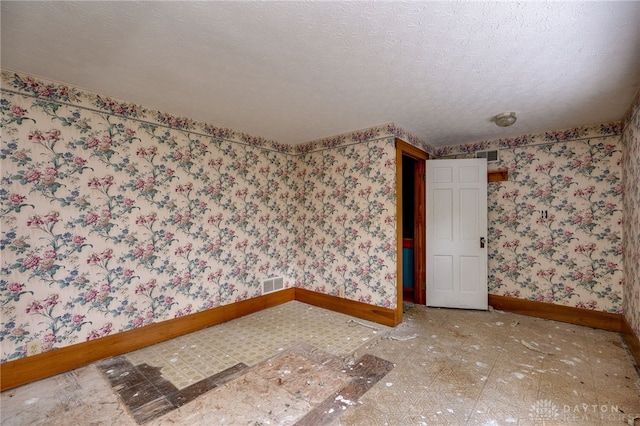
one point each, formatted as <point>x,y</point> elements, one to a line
<point>272,284</point>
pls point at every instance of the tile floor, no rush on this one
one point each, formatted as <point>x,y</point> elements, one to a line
<point>297,364</point>
<point>159,379</point>
<point>254,338</point>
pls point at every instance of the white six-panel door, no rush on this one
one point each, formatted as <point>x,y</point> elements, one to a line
<point>456,233</point>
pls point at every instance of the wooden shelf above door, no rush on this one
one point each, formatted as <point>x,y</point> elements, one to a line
<point>498,176</point>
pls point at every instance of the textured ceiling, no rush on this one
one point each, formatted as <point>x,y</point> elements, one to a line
<point>299,71</point>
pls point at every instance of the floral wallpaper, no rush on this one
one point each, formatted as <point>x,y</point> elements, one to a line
<point>115,216</point>
<point>555,227</point>
<point>631,233</point>
<point>346,224</point>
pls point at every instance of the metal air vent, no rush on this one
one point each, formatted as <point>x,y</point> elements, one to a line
<point>491,156</point>
<point>272,284</point>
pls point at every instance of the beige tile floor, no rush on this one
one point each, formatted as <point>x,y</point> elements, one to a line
<point>451,367</point>
<point>254,338</point>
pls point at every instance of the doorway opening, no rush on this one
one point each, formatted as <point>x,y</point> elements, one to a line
<point>410,217</point>
<point>408,230</point>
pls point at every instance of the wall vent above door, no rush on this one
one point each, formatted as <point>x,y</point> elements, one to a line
<point>491,155</point>
<point>272,284</point>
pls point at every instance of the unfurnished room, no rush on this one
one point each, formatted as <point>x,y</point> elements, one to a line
<point>320,213</point>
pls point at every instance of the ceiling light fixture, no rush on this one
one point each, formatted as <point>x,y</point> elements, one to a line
<point>505,119</point>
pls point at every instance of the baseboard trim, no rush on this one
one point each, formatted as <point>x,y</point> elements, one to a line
<point>354,308</point>
<point>37,367</point>
<point>632,341</point>
<point>586,317</point>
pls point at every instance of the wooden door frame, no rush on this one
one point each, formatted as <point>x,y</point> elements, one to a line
<point>404,149</point>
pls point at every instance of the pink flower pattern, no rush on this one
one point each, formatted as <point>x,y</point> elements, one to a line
<point>111,223</point>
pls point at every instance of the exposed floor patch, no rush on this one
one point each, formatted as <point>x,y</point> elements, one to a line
<point>303,385</point>
<point>148,395</point>
<point>249,340</point>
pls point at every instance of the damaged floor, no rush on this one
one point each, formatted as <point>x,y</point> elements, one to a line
<point>298,364</point>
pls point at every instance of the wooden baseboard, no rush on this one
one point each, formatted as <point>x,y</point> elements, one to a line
<point>586,317</point>
<point>632,341</point>
<point>365,311</point>
<point>36,367</point>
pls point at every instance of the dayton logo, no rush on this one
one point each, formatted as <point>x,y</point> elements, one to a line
<point>543,411</point>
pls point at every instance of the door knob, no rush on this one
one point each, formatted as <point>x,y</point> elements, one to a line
<point>482,242</point>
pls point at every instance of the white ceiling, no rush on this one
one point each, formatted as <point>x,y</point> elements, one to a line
<point>299,71</point>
